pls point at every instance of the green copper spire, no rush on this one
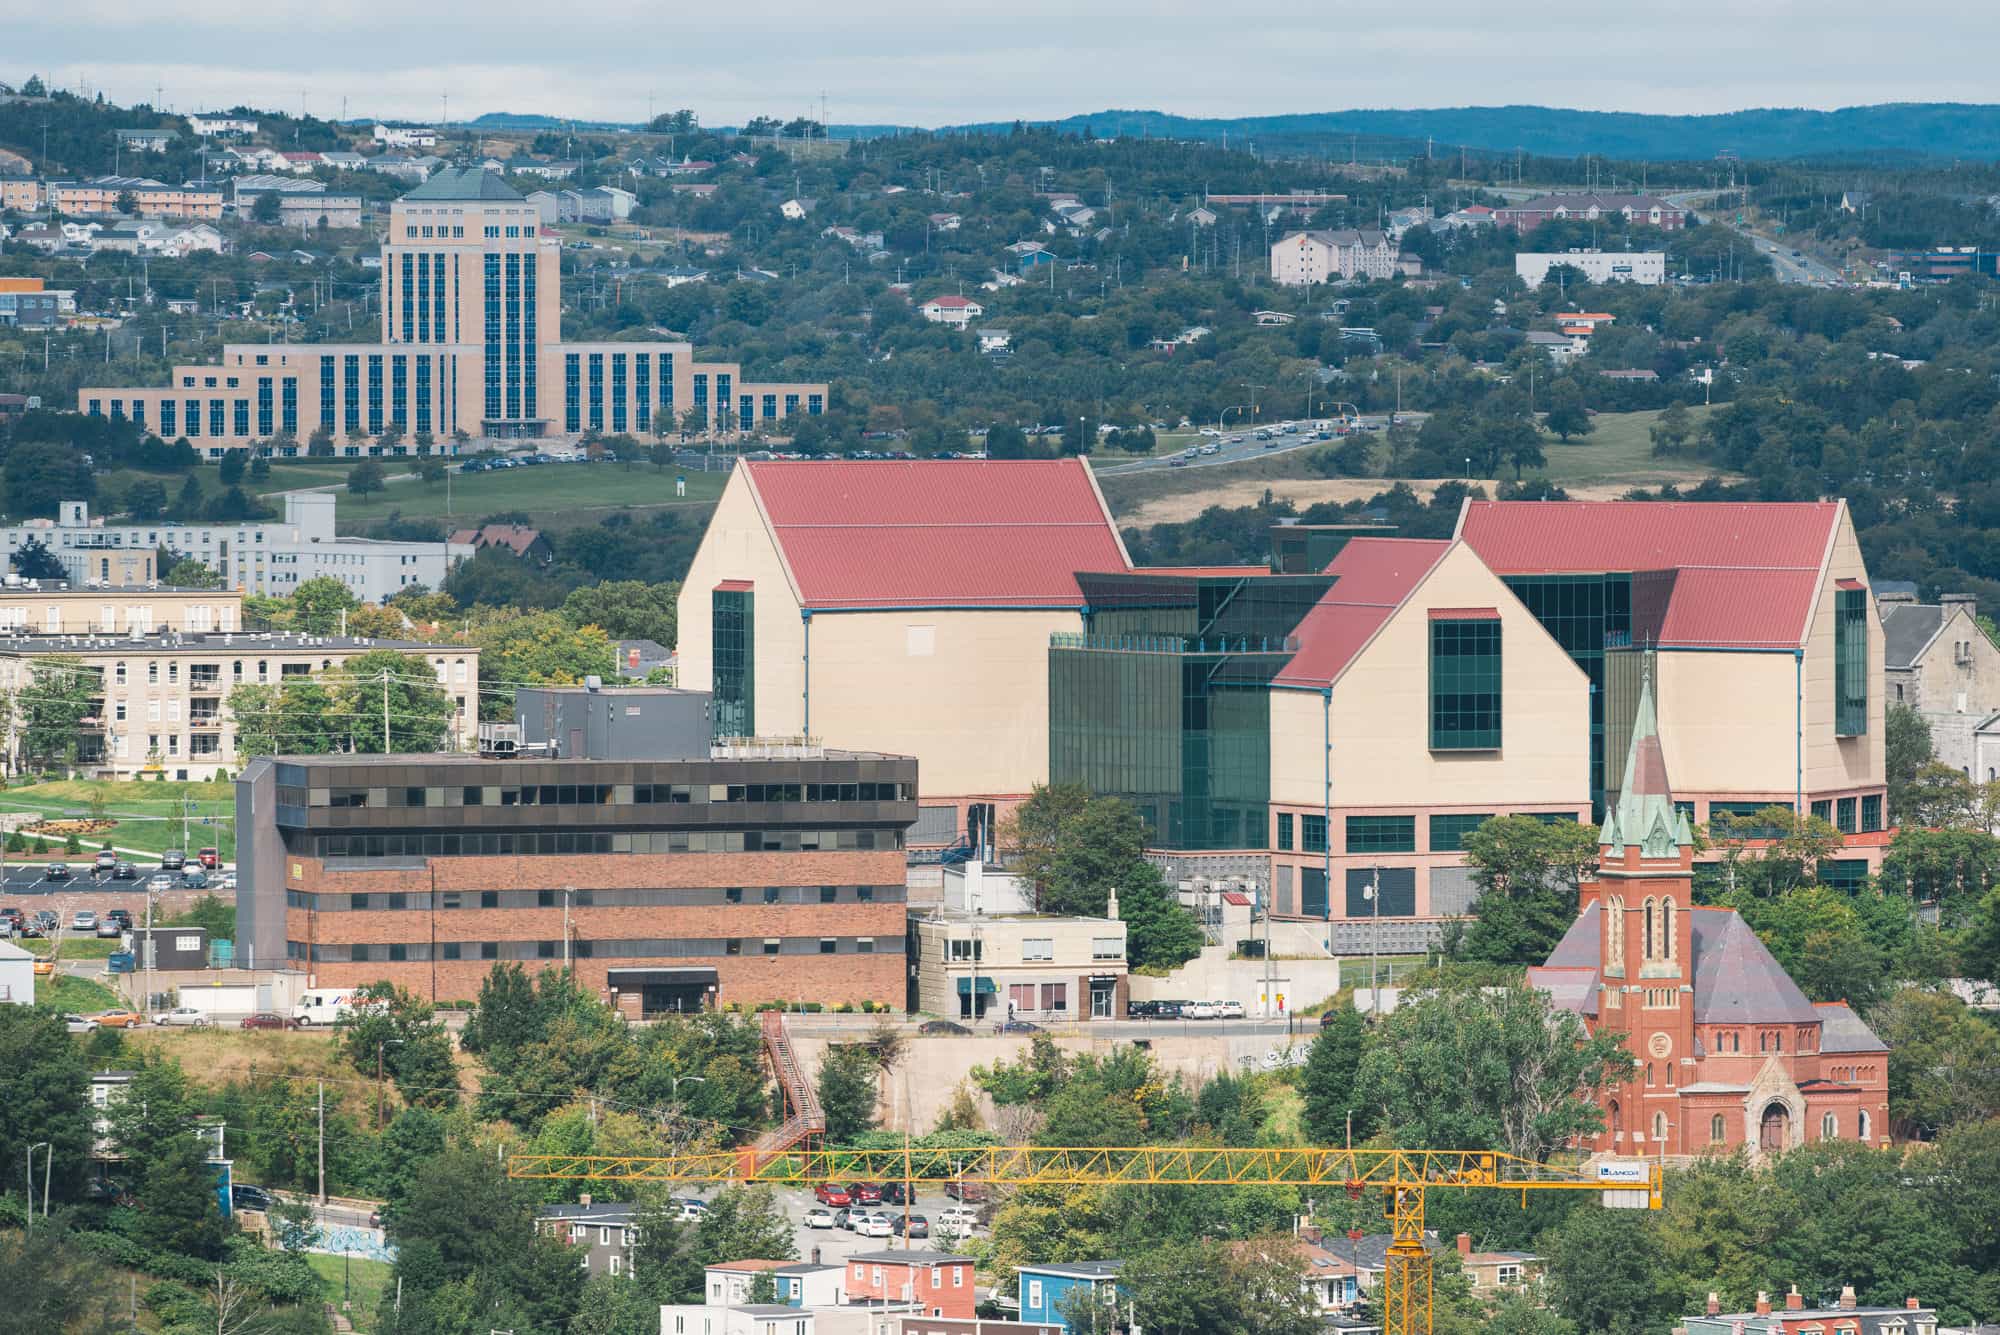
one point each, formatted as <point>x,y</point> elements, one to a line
<point>1645,813</point>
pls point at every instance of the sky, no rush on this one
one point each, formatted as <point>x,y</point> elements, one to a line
<point>897,62</point>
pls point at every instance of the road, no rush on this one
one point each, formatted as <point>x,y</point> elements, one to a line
<point>1238,445</point>
<point>1789,266</point>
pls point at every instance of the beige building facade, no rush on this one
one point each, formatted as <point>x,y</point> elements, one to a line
<point>1030,967</point>
<point>151,199</point>
<point>162,706</point>
<point>470,343</point>
<point>32,607</point>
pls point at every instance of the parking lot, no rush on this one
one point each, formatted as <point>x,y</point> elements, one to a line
<point>33,879</point>
<point>837,1244</point>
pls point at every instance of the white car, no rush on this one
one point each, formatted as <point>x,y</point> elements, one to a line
<point>84,921</point>
<point>79,1024</point>
<point>958,1219</point>
<point>819,1217</point>
<point>182,1015</point>
<point>1199,1010</point>
<point>1229,1010</point>
<point>875,1225</point>
<point>162,880</point>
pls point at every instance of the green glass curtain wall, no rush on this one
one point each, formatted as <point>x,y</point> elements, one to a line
<point>1465,684</point>
<point>733,622</point>
<point>1585,614</point>
<point>1850,662</point>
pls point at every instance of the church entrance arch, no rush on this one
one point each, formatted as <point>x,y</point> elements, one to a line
<point>1774,1130</point>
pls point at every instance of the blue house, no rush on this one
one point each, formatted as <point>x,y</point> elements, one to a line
<point>1046,1289</point>
<point>1034,259</point>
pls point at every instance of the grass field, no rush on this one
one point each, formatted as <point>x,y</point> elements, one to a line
<point>78,996</point>
<point>576,491</point>
<point>355,1281</point>
<point>85,947</point>
<point>148,814</point>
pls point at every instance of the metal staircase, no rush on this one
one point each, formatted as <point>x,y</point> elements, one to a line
<point>803,1123</point>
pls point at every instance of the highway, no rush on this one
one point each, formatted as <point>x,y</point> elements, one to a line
<point>1789,266</point>
<point>1238,445</point>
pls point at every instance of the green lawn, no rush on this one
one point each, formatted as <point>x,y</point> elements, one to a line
<point>148,814</point>
<point>77,996</point>
<point>86,947</point>
<point>1618,450</point>
<point>359,1282</point>
<point>542,493</point>
<point>286,475</point>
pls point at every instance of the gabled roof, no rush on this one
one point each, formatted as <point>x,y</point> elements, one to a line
<point>1373,577</point>
<point>463,183</point>
<point>1907,630</point>
<point>1736,980</point>
<point>1841,1030</point>
<point>939,533</point>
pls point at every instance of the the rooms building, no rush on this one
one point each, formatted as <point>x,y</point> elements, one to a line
<point>471,341</point>
<point>669,873</point>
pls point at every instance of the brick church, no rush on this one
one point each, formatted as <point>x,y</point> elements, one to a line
<point>1729,1050</point>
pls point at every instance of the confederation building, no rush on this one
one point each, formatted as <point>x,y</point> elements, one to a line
<point>471,342</point>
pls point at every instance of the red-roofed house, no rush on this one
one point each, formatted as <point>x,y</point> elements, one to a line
<point>955,311</point>
<point>1756,623</point>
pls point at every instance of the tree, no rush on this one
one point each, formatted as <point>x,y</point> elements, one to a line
<point>398,1030</point>
<point>188,573</point>
<point>1208,1288</point>
<point>33,560</point>
<point>847,1091</point>
<point>1527,871</point>
<point>53,1285</point>
<point>59,696</point>
<point>292,717</point>
<point>319,445</point>
<point>1944,1061</point>
<point>154,1128</point>
<point>146,500</point>
<point>626,609</point>
<point>744,1221</point>
<point>365,477</point>
<point>1328,1080</point>
<point>232,467</point>
<point>1465,1066</point>
<point>1772,850</point>
<point>1906,748</point>
<point>1566,414</point>
<point>1607,1271</point>
<point>1673,430</point>
<point>540,648</point>
<point>318,603</point>
<point>268,209</point>
<point>385,689</point>
<point>1940,797</point>
<point>44,1095</point>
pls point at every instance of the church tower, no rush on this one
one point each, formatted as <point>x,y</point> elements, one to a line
<point>1643,891</point>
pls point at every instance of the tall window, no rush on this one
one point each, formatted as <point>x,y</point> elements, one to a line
<point>1850,662</point>
<point>1614,933</point>
<point>1871,813</point>
<point>1829,1127</point>
<point>265,405</point>
<point>733,613</point>
<point>289,405</point>
<point>326,392</point>
<point>1465,684</point>
<point>642,391</point>
<point>1646,911</point>
<point>1660,1127</point>
<point>493,348</point>
<point>617,391</point>
<point>597,391</point>
<point>1718,1129</point>
<point>572,392</point>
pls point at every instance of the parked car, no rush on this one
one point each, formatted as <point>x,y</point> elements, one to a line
<point>173,860</point>
<point>911,1226</point>
<point>1198,1010</point>
<point>162,880</point>
<point>832,1193</point>
<point>123,917</point>
<point>183,1015</point>
<point>960,1189</point>
<point>942,1027</point>
<point>83,920</point>
<point>268,1020</point>
<point>1020,1027</point>
<point>243,1196</point>
<point>819,1217</point>
<point>1229,1010</point>
<point>119,1019</point>
<point>194,878</point>
<point>864,1193</point>
<point>108,928</point>
<point>223,881</point>
<point>846,1216</point>
<point>45,922</point>
<point>694,1203</point>
<point>105,860</point>
<point>958,1219</point>
<point>687,1214</point>
<point>79,1024</point>
<point>873,1225</point>
<point>893,1194</point>
<point>56,871</point>
<point>209,857</point>
<point>124,871</point>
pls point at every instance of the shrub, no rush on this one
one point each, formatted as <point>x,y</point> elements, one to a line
<point>72,845</point>
<point>41,845</point>
<point>16,844</point>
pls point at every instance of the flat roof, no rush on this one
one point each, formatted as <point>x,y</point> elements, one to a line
<point>352,760</point>
<point>198,642</point>
<point>43,588</point>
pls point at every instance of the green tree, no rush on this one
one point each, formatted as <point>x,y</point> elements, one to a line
<point>1771,851</point>
<point>1944,1061</point>
<point>1328,1079</point>
<point>626,609</point>
<point>1607,1271</point>
<point>1566,415</point>
<point>507,1015</point>
<point>44,1095</point>
<point>267,210</point>
<point>401,686</point>
<point>188,573</point>
<point>317,605</point>
<point>154,1128</point>
<point>400,1031</point>
<point>58,697</point>
<point>1940,797</point>
<point>1673,430</point>
<point>1906,748</point>
<point>53,1285</point>
<point>1818,935</point>
<point>1527,871</point>
<point>232,467</point>
<point>146,500</point>
<point>744,1221</point>
<point>847,1090</point>
<point>1207,1288</point>
<point>542,648</point>
<point>1465,1065</point>
<point>38,474</point>
<point>293,717</point>
<point>365,477</point>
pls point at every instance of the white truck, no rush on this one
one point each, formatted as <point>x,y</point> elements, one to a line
<point>324,1007</point>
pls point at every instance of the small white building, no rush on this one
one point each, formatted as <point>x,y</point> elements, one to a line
<point>222,124</point>
<point>746,1319</point>
<point>17,976</point>
<point>405,136</point>
<point>1648,268</point>
<point>954,311</point>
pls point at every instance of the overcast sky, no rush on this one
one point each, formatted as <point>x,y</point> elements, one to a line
<point>935,64</point>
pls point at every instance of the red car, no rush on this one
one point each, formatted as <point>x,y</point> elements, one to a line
<point>832,1195</point>
<point>269,1020</point>
<point>209,858</point>
<point>864,1193</point>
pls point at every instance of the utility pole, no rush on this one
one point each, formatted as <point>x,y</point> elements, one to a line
<point>385,711</point>
<point>322,1142</point>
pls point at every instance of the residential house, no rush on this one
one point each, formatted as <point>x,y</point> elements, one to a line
<point>696,189</point>
<point>939,1283</point>
<point>149,198</point>
<point>1494,1273</point>
<point>26,304</point>
<point>1644,375</point>
<point>639,659</point>
<point>728,1283</point>
<point>995,340</point>
<point>605,1230</point>
<point>1201,217</point>
<point>1937,661</point>
<point>1846,1317</point>
<point>144,141</point>
<point>1400,221</point>
<point>1559,347</point>
<point>523,165</point>
<point>955,311</point>
<point>795,209</point>
<point>686,167</point>
<point>1303,258</point>
<point>414,168</point>
<point>746,1319</point>
<point>1855,201</point>
<point>20,194</point>
<point>981,950</point>
<point>1052,1294</point>
<point>343,160</point>
<point>300,163</point>
<point>811,1284</point>
<point>1272,319</point>
<point>526,543</point>
<point>405,136</point>
<point>1650,210</point>
<point>221,124</point>
<point>945,222</point>
<point>1472,215</point>
<point>677,274</point>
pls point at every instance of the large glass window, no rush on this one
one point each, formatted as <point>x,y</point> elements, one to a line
<point>1381,834</point>
<point>597,391</point>
<point>617,391</point>
<point>265,405</point>
<point>733,613</point>
<point>1448,831</point>
<point>1312,834</point>
<point>1850,662</point>
<point>1285,831</point>
<point>326,393</point>
<point>1381,892</point>
<point>1871,813</point>
<point>572,392</point>
<point>1843,815</point>
<point>1465,684</point>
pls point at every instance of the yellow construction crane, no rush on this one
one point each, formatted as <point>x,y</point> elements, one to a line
<point>1403,1176</point>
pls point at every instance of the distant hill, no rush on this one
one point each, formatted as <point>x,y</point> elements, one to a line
<point>1936,129</point>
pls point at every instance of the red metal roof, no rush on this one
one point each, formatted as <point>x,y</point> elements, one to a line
<point>1737,608</point>
<point>1373,577</point>
<point>937,532</point>
<point>1557,537</point>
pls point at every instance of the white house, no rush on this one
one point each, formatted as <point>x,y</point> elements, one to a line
<point>17,976</point>
<point>795,209</point>
<point>995,340</point>
<point>221,124</point>
<point>405,136</point>
<point>945,222</point>
<point>760,1319</point>
<point>954,311</point>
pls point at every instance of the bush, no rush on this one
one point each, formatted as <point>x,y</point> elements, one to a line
<point>41,845</point>
<point>16,844</point>
<point>72,845</point>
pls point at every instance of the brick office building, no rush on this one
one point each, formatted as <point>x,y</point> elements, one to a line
<point>698,876</point>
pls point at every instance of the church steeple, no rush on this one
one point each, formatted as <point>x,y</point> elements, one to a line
<point>1645,815</point>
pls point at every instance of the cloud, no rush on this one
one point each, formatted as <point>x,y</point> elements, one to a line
<point>894,61</point>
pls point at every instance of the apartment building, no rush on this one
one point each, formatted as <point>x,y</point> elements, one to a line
<point>605,1231</point>
<point>1019,967</point>
<point>1302,258</point>
<point>161,710</point>
<point>1647,268</point>
<point>270,557</point>
<point>151,199</point>
<point>608,834</point>
<point>20,194</point>
<point>1591,206</point>
<point>470,342</point>
<point>39,607</point>
<point>939,1283</point>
